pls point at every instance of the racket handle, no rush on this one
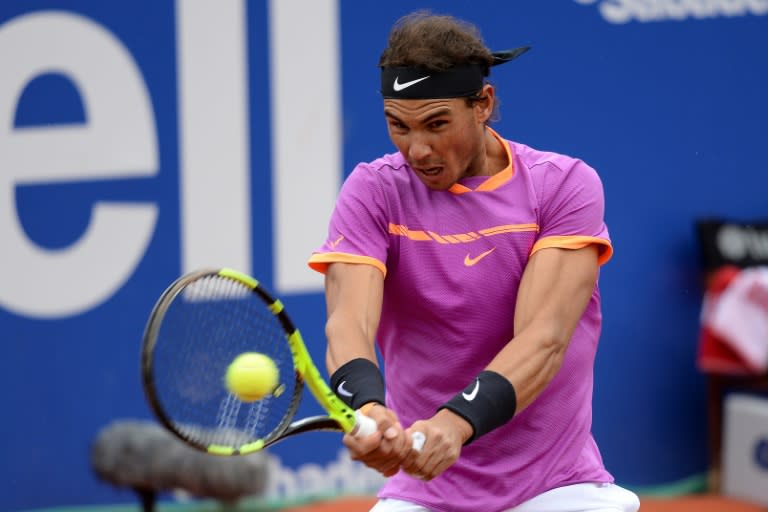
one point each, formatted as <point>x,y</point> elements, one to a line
<point>367,426</point>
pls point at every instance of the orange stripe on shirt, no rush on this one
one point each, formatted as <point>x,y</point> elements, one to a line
<point>456,238</point>
<point>576,242</point>
<point>397,229</point>
<point>437,237</point>
<point>467,237</point>
<point>509,228</point>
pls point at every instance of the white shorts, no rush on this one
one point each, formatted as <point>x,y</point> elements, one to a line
<point>589,497</point>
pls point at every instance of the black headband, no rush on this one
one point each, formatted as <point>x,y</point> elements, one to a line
<point>412,83</point>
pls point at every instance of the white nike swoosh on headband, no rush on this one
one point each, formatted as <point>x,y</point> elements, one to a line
<point>397,86</point>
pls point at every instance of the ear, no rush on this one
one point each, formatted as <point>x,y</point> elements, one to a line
<point>484,108</point>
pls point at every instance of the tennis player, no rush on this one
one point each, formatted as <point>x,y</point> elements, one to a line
<point>472,261</point>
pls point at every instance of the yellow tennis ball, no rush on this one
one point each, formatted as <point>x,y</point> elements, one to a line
<point>252,376</point>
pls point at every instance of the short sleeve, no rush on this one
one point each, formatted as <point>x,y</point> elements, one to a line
<point>357,232</point>
<point>571,207</point>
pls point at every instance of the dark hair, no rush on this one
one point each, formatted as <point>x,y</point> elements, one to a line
<point>436,42</point>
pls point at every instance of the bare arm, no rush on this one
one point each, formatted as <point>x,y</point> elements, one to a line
<point>353,298</point>
<point>554,292</point>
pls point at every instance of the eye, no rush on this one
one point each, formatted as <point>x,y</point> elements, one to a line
<point>435,125</point>
<point>397,125</point>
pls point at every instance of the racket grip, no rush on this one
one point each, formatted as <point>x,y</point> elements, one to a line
<point>366,426</point>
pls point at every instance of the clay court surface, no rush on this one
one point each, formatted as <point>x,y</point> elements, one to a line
<point>680,503</point>
<point>702,503</point>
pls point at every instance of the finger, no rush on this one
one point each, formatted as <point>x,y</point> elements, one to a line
<point>415,466</point>
<point>436,464</point>
<point>385,458</point>
<point>394,443</point>
<point>429,462</point>
<point>387,467</point>
<point>391,471</point>
<point>360,447</point>
<point>385,419</point>
<point>388,450</point>
<point>412,454</point>
<point>391,429</point>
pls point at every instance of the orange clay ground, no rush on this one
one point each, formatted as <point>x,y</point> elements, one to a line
<point>697,503</point>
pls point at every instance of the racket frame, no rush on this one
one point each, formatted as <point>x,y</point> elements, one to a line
<point>339,417</point>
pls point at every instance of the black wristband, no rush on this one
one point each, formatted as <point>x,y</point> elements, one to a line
<point>486,403</point>
<point>358,382</point>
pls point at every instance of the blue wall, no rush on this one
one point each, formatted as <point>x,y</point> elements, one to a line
<point>666,99</point>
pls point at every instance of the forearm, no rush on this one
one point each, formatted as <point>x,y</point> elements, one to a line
<point>353,299</point>
<point>346,342</point>
<point>530,361</point>
<point>513,379</point>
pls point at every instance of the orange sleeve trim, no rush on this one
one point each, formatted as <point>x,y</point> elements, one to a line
<point>320,261</point>
<point>576,242</point>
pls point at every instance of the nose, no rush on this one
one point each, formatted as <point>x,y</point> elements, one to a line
<point>419,150</point>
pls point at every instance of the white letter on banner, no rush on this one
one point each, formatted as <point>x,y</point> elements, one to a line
<point>214,167</point>
<point>758,7</point>
<point>306,143</point>
<point>117,141</point>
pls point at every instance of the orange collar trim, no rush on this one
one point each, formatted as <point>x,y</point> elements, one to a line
<point>495,181</point>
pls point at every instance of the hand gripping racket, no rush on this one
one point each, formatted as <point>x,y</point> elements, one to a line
<point>201,322</point>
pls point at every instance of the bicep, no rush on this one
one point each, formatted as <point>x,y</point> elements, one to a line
<point>354,295</point>
<point>555,289</point>
<point>554,292</point>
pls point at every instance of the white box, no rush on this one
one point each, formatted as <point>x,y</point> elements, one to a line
<point>745,448</point>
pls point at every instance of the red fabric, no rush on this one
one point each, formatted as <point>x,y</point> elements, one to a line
<point>714,354</point>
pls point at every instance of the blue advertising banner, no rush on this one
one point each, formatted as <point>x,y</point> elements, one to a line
<point>140,140</point>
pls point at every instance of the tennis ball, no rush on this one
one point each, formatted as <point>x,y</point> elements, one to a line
<point>252,376</point>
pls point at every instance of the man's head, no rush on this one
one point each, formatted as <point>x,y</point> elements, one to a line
<point>451,52</point>
<point>436,101</point>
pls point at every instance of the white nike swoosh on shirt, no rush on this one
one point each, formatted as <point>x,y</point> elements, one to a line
<point>471,396</point>
<point>342,391</point>
<point>399,87</point>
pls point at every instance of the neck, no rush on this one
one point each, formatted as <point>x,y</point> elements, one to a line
<point>492,158</point>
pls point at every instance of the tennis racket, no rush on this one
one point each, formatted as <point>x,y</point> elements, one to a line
<point>200,323</point>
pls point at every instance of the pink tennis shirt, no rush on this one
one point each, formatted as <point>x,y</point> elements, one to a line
<point>452,262</point>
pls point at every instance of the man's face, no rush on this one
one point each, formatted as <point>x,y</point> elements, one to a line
<point>441,139</point>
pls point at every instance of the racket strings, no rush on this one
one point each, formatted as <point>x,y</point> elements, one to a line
<point>228,413</point>
<point>205,326</point>
<point>257,415</point>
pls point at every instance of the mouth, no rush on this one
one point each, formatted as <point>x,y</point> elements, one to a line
<point>429,171</point>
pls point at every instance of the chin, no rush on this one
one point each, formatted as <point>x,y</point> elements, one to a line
<point>436,185</point>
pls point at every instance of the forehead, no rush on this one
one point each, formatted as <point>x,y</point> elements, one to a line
<point>416,109</point>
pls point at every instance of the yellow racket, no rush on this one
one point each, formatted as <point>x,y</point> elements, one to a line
<point>200,324</point>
